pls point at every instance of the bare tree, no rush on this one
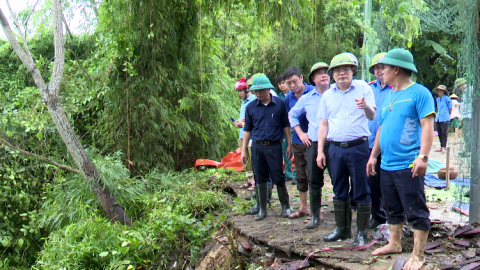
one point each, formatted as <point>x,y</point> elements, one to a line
<point>50,94</point>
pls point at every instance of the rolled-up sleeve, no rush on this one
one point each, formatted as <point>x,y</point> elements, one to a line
<point>296,112</point>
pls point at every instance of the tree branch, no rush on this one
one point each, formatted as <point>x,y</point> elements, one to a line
<point>55,82</point>
<point>43,159</point>
<point>66,25</point>
<point>26,59</point>
<point>26,21</point>
<point>23,35</point>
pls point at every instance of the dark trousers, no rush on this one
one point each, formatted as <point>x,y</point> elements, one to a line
<point>442,128</point>
<point>316,174</point>
<point>300,153</point>
<point>267,161</point>
<point>404,195</point>
<point>346,163</point>
<point>378,213</point>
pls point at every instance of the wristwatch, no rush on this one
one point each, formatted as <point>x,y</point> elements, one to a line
<point>423,157</point>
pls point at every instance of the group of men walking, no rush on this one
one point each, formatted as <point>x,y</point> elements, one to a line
<point>373,138</point>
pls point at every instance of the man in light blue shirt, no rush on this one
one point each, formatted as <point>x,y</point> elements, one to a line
<point>308,105</point>
<point>344,111</point>
<point>380,91</point>
<point>294,80</point>
<point>444,105</point>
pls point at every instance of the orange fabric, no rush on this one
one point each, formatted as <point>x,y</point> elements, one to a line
<point>230,160</point>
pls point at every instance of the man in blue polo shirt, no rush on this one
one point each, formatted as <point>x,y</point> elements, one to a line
<point>308,105</point>
<point>380,91</point>
<point>344,111</point>
<point>404,138</point>
<point>266,124</point>
<point>294,81</point>
<point>444,105</point>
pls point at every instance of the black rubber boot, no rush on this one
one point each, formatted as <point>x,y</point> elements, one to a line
<point>256,208</point>
<point>373,223</point>
<point>284,201</point>
<point>270,187</point>
<point>315,204</point>
<point>341,210</point>
<point>262,194</point>
<point>348,219</point>
<point>363,218</point>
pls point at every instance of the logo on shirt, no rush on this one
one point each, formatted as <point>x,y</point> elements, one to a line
<point>408,131</point>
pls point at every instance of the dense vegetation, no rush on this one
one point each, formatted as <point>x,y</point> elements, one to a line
<point>148,90</point>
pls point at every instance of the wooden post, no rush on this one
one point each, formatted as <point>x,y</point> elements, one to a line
<point>447,177</point>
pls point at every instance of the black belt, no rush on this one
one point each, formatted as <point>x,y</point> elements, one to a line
<point>350,143</point>
<point>268,142</point>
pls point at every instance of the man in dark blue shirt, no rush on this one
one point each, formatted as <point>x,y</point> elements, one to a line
<point>266,124</point>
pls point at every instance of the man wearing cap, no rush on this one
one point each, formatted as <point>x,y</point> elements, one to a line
<point>308,105</point>
<point>344,112</point>
<point>247,97</point>
<point>444,105</point>
<point>294,81</point>
<point>404,139</point>
<point>455,116</point>
<point>289,173</point>
<point>266,123</point>
<point>380,91</point>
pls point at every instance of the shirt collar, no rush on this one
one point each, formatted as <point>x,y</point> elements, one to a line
<point>379,84</point>
<point>315,90</point>
<point>352,86</point>
<point>272,100</point>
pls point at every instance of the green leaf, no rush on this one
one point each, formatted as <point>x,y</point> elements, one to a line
<point>20,242</point>
<point>40,136</point>
<point>103,254</point>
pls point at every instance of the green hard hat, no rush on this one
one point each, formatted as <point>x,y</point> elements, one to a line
<point>343,59</point>
<point>376,59</point>
<point>261,82</point>
<point>460,81</point>
<point>314,68</point>
<point>440,87</point>
<point>253,78</point>
<point>399,58</point>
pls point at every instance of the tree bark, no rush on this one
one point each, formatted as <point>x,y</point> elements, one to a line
<point>50,95</point>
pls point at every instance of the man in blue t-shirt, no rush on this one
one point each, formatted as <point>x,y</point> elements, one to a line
<point>444,105</point>
<point>294,81</point>
<point>404,139</point>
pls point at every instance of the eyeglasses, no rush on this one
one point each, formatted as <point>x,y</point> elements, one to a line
<point>379,67</point>
<point>293,82</point>
<point>342,70</point>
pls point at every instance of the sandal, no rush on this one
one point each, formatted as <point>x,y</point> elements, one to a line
<point>307,220</point>
<point>438,150</point>
<point>298,214</point>
<point>252,188</point>
<point>247,185</point>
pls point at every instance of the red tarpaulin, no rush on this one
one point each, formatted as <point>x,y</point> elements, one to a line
<point>230,160</point>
